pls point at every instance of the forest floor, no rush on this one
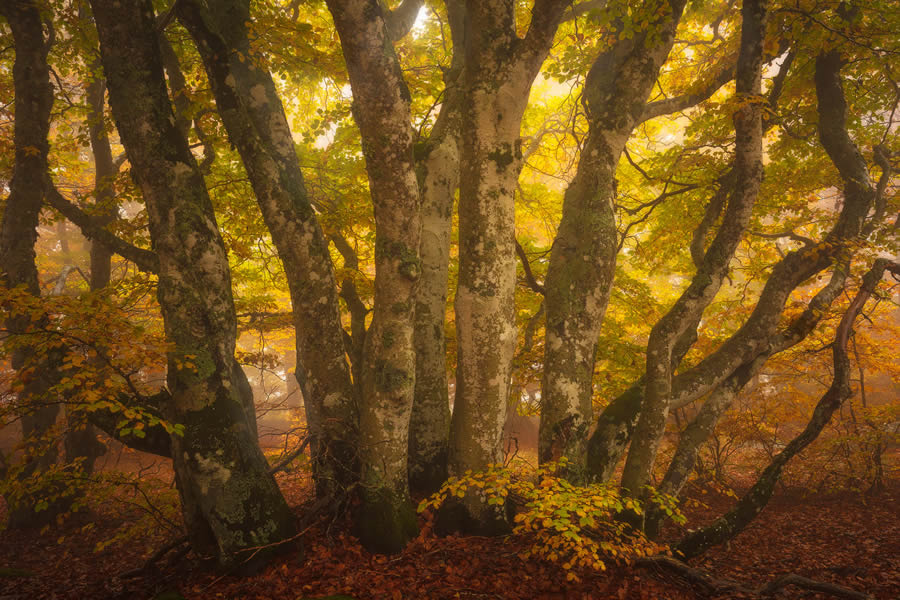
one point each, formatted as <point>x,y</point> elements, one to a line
<point>844,538</point>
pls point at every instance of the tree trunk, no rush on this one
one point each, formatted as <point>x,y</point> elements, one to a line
<point>704,423</point>
<point>689,307</point>
<point>18,234</point>
<point>438,173</point>
<point>104,174</point>
<point>429,426</point>
<point>858,194</point>
<point>81,437</point>
<point>256,123</point>
<point>499,70</point>
<point>386,520</point>
<point>583,258</point>
<point>232,505</point>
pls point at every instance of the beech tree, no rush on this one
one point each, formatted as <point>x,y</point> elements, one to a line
<point>230,501</point>
<point>582,263</point>
<point>497,75</point>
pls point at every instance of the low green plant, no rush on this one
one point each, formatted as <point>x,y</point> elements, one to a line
<point>576,526</point>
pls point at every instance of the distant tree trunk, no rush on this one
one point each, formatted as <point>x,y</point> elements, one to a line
<point>583,258</point>
<point>499,70</point>
<point>690,305</point>
<point>81,437</point>
<point>18,234</point>
<point>381,109</point>
<point>438,172</point>
<point>254,117</point>
<point>736,520</point>
<point>232,505</point>
<point>104,174</point>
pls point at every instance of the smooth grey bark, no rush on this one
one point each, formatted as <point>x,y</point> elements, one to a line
<point>18,234</point>
<point>706,282</point>
<point>232,506</point>
<point>751,503</point>
<point>583,258</point>
<point>497,77</point>
<point>438,174</point>
<point>256,123</point>
<point>381,109</point>
<point>429,427</point>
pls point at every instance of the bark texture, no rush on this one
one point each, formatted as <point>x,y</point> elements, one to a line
<point>499,70</point>
<point>256,123</point>
<point>381,109</point>
<point>438,173</point>
<point>429,427</point>
<point>582,262</point>
<point>232,506</point>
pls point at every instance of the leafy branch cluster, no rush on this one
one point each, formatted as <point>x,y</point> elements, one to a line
<point>576,526</point>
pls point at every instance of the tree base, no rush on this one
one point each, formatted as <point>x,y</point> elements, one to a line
<point>385,522</point>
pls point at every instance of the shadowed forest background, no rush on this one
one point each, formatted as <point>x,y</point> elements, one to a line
<point>455,299</point>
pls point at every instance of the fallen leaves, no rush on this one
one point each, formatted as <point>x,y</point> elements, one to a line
<point>838,539</point>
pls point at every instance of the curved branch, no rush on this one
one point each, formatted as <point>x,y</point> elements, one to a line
<point>145,260</point>
<point>723,75</point>
<point>156,440</point>
<point>526,266</point>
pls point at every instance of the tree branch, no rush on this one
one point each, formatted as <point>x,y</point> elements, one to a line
<point>526,266</point>
<point>156,439</point>
<point>724,74</point>
<point>400,20</point>
<point>583,8</point>
<point>737,519</point>
<point>145,260</point>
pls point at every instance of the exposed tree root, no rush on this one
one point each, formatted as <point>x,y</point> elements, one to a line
<point>715,585</point>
